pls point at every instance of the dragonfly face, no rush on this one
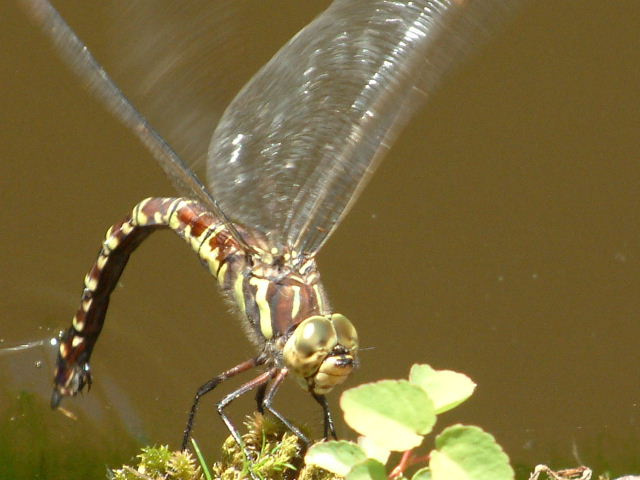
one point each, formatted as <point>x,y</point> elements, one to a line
<point>322,352</point>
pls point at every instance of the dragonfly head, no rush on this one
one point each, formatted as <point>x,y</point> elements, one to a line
<point>321,352</point>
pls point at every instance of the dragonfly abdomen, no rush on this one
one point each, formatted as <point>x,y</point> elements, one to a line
<point>272,296</point>
<point>207,236</point>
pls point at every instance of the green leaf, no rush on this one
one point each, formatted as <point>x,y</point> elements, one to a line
<point>373,450</point>
<point>393,413</point>
<point>422,474</point>
<point>468,453</point>
<point>370,469</point>
<point>446,388</point>
<point>337,457</point>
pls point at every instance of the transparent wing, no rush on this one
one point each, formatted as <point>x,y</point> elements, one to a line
<point>77,56</point>
<point>296,146</point>
<point>183,62</point>
<point>169,68</point>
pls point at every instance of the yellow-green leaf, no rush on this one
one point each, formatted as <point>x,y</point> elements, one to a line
<point>337,457</point>
<point>393,413</point>
<point>446,388</point>
<point>370,469</point>
<point>468,453</point>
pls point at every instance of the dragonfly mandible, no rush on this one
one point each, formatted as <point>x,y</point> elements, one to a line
<point>287,160</point>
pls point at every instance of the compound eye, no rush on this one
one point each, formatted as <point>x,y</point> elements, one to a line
<point>309,345</point>
<point>315,335</point>
<point>347,335</point>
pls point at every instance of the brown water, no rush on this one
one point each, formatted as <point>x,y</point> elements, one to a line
<point>501,238</point>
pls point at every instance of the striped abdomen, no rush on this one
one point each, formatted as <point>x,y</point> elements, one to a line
<point>271,297</point>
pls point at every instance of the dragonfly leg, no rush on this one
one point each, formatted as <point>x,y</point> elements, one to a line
<point>224,403</point>
<point>329,427</point>
<point>186,218</point>
<point>210,385</point>
<point>268,401</point>
<point>260,392</point>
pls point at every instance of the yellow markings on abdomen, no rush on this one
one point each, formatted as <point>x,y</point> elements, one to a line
<point>111,242</point>
<point>174,220</point>
<point>126,228</point>
<point>90,283</point>
<point>139,217</point>
<point>102,261</point>
<point>264,310</point>
<point>86,304</point>
<point>77,324</point>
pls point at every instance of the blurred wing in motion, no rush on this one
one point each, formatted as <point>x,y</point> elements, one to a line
<point>167,56</point>
<point>77,56</point>
<point>182,63</point>
<point>296,146</point>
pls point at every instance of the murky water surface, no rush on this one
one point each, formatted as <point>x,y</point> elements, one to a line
<point>501,238</point>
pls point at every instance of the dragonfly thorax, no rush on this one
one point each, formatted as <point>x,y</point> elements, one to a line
<point>272,294</point>
<point>286,307</point>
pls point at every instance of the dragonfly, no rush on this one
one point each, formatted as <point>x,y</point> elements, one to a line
<point>287,160</point>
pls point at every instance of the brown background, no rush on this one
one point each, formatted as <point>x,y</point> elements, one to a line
<point>501,238</point>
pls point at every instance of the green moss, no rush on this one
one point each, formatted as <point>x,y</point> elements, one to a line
<point>158,463</point>
<point>278,456</point>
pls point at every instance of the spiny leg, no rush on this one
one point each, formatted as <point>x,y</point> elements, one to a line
<point>267,403</point>
<point>224,403</point>
<point>185,217</point>
<point>209,386</point>
<point>329,427</point>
